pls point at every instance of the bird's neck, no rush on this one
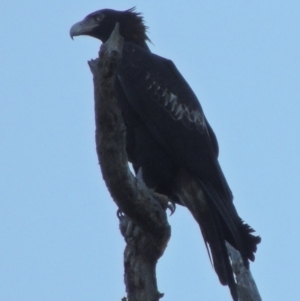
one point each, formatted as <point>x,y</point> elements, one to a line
<point>134,32</point>
<point>136,40</point>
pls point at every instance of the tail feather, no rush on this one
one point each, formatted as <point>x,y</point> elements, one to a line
<point>214,239</point>
<point>213,235</point>
<point>219,222</point>
<point>236,231</point>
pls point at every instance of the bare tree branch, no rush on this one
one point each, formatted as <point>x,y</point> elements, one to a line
<point>246,287</point>
<point>143,221</point>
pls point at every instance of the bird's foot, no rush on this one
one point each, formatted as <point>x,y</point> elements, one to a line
<point>165,202</point>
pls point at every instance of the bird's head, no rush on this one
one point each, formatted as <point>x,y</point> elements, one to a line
<point>101,23</point>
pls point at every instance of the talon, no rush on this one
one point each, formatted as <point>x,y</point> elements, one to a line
<point>165,202</point>
<point>120,214</point>
<point>172,207</point>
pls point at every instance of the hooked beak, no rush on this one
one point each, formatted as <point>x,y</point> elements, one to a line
<point>83,27</point>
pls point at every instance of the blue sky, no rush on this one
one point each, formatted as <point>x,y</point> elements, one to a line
<point>58,227</point>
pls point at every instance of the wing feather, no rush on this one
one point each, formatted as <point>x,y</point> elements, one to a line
<point>163,99</point>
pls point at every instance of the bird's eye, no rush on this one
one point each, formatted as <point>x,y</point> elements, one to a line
<point>99,18</point>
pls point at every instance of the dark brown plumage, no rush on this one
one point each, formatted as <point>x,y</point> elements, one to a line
<point>170,140</point>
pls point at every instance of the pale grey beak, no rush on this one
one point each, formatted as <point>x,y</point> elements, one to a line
<point>76,30</point>
<point>83,27</point>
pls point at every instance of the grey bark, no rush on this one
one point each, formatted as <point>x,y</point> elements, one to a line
<point>246,286</point>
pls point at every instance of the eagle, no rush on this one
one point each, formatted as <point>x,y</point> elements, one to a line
<point>169,140</point>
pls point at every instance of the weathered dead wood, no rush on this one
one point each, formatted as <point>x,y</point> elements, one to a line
<point>246,287</point>
<point>143,221</point>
